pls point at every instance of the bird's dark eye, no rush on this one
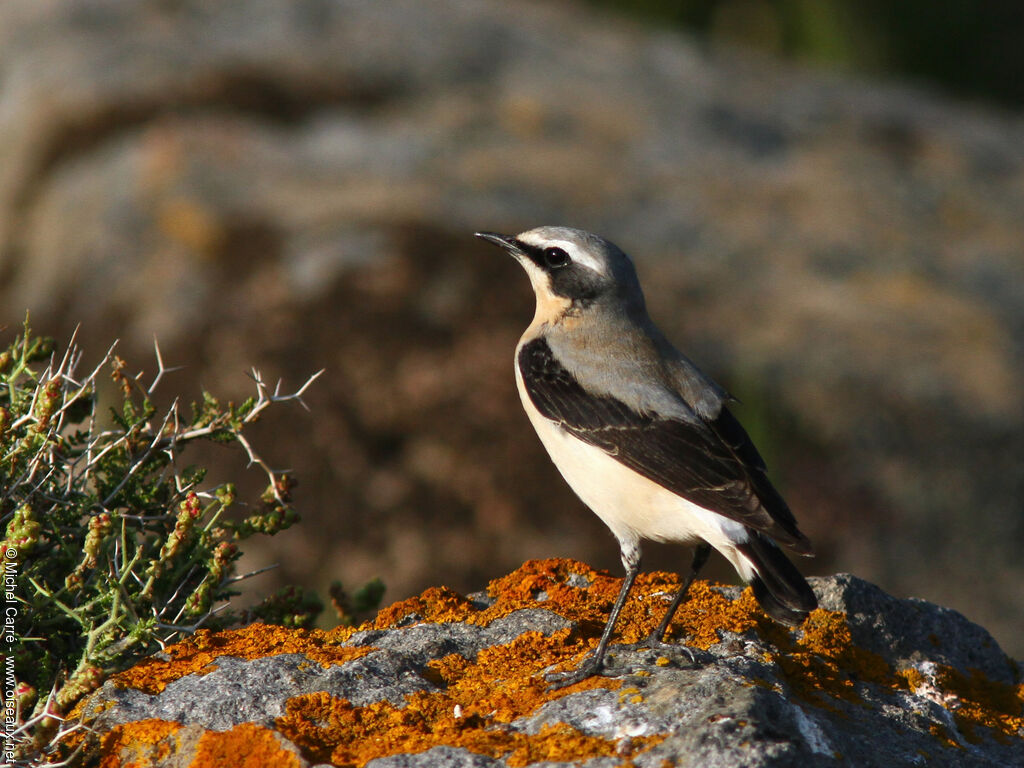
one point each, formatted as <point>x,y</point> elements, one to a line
<point>555,257</point>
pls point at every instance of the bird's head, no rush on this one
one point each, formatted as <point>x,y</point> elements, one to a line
<point>572,270</point>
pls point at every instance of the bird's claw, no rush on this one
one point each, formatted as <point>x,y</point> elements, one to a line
<point>592,666</point>
<point>588,668</point>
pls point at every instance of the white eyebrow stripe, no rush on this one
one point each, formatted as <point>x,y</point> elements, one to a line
<point>577,254</point>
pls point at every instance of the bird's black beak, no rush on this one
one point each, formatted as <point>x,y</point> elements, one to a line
<point>507,242</point>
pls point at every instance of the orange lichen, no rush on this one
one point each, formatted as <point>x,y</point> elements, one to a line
<point>197,654</point>
<point>944,737</point>
<point>912,678</point>
<point>473,701</point>
<point>138,744</point>
<point>706,612</point>
<point>819,662</point>
<point>437,605</point>
<point>823,660</point>
<point>244,746</point>
<point>503,683</point>
<point>478,698</point>
<point>333,730</point>
<point>985,702</point>
<point>549,584</point>
<point>975,701</point>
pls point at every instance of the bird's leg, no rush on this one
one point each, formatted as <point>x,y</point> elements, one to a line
<point>592,664</point>
<point>700,557</point>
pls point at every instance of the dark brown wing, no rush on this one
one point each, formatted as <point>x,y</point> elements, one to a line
<point>712,464</point>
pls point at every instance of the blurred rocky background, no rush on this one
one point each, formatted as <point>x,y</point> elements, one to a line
<point>294,186</point>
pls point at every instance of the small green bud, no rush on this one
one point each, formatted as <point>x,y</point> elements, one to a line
<point>47,403</point>
<point>85,680</point>
<point>25,695</point>
<point>189,511</point>
<point>99,529</point>
<point>226,495</point>
<point>224,554</point>
<point>22,531</point>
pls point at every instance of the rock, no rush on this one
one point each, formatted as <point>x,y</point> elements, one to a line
<point>294,186</point>
<point>445,680</point>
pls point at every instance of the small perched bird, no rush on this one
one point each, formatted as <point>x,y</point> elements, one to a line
<point>640,433</point>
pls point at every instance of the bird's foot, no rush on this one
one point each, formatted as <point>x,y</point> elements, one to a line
<point>590,666</point>
<point>593,665</point>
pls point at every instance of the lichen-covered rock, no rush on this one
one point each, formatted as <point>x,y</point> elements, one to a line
<point>446,680</point>
<point>294,184</point>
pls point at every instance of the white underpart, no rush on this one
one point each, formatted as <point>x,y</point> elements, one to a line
<point>631,505</point>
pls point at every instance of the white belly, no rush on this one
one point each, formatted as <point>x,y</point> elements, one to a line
<point>631,505</point>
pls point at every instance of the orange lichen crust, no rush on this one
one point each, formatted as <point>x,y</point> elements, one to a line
<point>474,701</point>
<point>974,701</point>
<point>144,742</point>
<point>480,697</point>
<point>822,661</point>
<point>819,660</point>
<point>244,746</point>
<point>152,742</point>
<point>548,584</point>
<point>478,700</point>
<point>197,654</point>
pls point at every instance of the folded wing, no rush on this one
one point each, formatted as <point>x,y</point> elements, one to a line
<point>713,464</point>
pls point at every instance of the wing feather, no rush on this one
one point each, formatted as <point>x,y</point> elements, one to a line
<point>713,464</point>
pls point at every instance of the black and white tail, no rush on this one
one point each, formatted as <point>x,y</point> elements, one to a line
<point>779,587</point>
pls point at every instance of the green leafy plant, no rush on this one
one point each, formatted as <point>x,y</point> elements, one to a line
<point>356,608</point>
<point>113,547</point>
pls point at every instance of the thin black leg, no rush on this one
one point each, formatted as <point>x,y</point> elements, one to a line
<point>592,664</point>
<point>700,557</point>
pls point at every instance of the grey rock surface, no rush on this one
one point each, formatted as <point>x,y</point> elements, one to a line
<point>254,691</point>
<point>443,757</point>
<point>762,696</point>
<point>293,186</point>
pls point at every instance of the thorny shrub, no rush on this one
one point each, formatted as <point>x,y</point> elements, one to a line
<point>112,546</point>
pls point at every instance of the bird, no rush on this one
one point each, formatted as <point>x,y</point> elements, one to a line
<point>642,436</point>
